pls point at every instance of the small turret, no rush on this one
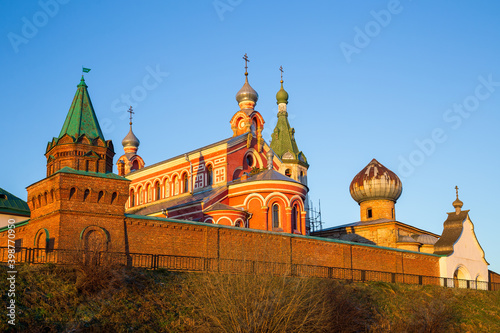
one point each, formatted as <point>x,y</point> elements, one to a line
<point>130,161</point>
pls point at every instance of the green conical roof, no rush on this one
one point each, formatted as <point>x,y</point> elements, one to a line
<point>81,118</point>
<point>283,139</point>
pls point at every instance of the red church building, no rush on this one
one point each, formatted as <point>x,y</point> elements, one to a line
<point>240,181</point>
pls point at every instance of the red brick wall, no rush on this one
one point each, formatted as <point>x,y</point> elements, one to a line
<point>160,236</point>
<point>198,239</point>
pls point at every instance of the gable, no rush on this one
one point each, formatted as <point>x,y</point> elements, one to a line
<point>467,246</point>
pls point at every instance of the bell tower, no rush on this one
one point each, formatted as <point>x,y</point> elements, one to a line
<point>130,161</point>
<point>283,141</point>
<point>247,119</point>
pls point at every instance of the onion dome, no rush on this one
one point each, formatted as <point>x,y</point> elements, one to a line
<point>247,94</point>
<point>130,143</point>
<point>457,203</point>
<point>375,182</point>
<point>282,95</point>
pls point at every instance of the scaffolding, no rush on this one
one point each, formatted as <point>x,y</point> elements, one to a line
<point>313,217</point>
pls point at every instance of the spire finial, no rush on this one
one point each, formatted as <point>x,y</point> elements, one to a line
<point>245,57</point>
<point>281,70</point>
<point>131,113</point>
<point>457,203</point>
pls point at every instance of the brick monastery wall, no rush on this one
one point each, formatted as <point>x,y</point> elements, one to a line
<point>157,236</point>
<point>171,237</point>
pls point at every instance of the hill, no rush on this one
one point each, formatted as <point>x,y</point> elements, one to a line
<point>61,299</point>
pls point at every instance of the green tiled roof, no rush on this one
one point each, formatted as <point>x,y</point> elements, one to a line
<point>81,118</point>
<point>283,137</point>
<point>108,175</point>
<point>9,203</point>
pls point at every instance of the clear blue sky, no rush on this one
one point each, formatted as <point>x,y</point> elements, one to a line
<point>414,84</point>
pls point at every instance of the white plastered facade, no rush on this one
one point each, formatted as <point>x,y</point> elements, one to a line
<point>467,260</point>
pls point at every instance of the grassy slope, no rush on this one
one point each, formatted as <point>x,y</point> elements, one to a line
<point>51,299</point>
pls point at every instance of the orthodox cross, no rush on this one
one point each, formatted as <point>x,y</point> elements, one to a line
<point>281,70</point>
<point>131,113</point>
<point>456,189</point>
<point>245,57</point>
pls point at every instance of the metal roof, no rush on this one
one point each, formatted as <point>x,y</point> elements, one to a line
<point>108,175</point>
<point>9,203</point>
<point>81,118</point>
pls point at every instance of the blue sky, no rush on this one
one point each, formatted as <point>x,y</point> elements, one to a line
<point>414,84</point>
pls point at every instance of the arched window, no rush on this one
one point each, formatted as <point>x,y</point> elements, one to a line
<point>288,173</point>
<point>250,160</point>
<point>141,196</point>
<point>176,185</point>
<point>369,213</point>
<point>45,196</point>
<point>86,194</point>
<point>392,211</point>
<point>166,190</point>
<point>276,216</point>
<point>113,197</point>
<point>185,183</point>
<point>158,190</point>
<point>72,192</point>
<point>135,165</point>
<point>132,198</point>
<point>294,217</point>
<point>237,224</point>
<point>99,197</point>
<point>210,175</point>
<point>148,193</point>
<point>301,179</point>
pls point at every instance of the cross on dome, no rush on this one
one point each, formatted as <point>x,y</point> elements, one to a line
<point>131,113</point>
<point>245,57</point>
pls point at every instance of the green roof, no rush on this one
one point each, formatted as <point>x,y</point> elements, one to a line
<point>9,203</point>
<point>283,139</point>
<point>108,175</point>
<point>81,118</point>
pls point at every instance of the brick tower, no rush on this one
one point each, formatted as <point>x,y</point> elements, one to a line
<point>80,200</point>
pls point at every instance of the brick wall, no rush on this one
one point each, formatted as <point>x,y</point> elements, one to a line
<point>160,236</point>
<point>166,236</point>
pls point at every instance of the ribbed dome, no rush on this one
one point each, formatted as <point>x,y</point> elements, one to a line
<point>375,181</point>
<point>247,93</point>
<point>131,140</point>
